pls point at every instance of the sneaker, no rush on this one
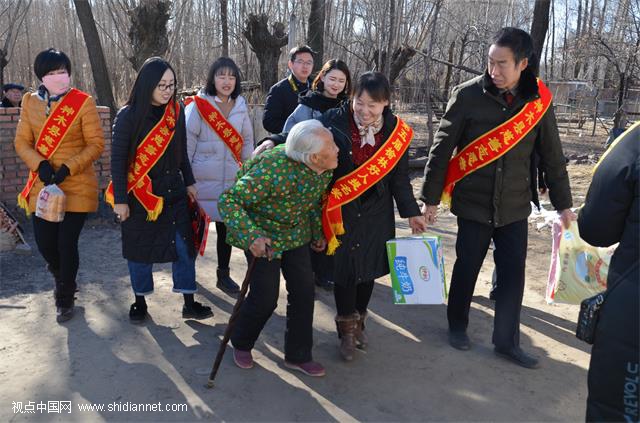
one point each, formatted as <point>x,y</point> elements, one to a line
<point>324,283</point>
<point>196,311</point>
<point>64,314</point>
<point>137,313</point>
<point>517,356</point>
<point>459,340</point>
<point>243,359</point>
<point>310,368</point>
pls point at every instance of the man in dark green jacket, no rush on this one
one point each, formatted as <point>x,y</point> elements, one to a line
<point>493,202</point>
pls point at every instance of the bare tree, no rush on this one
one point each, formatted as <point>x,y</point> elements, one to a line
<point>266,46</point>
<point>96,55</point>
<point>315,33</point>
<point>224,20</point>
<point>539,26</point>
<point>16,16</point>
<point>148,31</point>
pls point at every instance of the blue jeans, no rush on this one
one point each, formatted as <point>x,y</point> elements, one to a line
<point>183,270</point>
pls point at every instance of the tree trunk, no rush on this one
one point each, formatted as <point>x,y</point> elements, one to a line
<point>434,31</point>
<point>96,55</point>
<point>266,46</point>
<point>391,41</point>
<point>539,27</point>
<point>224,20</point>
<point>315,33</point>
<point>148,31</point>
<point>447,79</point>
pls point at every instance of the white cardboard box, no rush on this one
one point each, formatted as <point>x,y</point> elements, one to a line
<point>417,270</point>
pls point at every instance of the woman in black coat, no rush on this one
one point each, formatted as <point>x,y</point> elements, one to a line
<point>167,237</point>
<point>359,129</point>
<point>611,214</point>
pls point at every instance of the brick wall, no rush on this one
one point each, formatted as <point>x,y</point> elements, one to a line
<point>13,172</point>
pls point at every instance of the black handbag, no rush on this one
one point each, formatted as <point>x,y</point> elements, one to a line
<point>590,311</point>
<point>588,317</point>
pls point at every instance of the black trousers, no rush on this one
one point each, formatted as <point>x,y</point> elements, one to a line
<point>509,255</point>
<point>58,244</point>
<point>223,249</point>
<point>352,298</point>
<point>263,299</point>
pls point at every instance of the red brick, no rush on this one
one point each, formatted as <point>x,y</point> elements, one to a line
<point>5,118</point>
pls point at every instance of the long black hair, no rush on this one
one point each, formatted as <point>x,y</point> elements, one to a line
<point>218,68</point>
<point>141,94</point>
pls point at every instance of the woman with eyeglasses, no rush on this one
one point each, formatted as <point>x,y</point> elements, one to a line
<point>152,181</point>
<point>219,140</point>
<point>58,137</point>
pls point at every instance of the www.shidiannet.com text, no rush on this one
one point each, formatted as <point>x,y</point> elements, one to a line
<point>61,407</point>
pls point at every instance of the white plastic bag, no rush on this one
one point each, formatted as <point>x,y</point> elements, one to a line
<point>51,204</point>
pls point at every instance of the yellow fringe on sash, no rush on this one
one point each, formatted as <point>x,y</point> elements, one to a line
<point>333,243</point>
<point>153,214</point>
<point>24,203</point>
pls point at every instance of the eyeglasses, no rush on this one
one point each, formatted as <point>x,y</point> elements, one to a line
<point>303,63</point>
<point>163,87</point>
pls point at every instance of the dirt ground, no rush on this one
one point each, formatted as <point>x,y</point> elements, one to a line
<point>409,372</point>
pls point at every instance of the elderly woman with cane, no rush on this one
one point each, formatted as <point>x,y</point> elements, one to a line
<point>273,212</point>
<point>359,215</point>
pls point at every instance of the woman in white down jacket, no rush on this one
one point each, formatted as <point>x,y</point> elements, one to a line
<point>216,151</point>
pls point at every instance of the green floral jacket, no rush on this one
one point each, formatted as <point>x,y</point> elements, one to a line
<point>274,197</point>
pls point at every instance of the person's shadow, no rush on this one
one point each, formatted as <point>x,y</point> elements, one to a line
<point>112,368</point>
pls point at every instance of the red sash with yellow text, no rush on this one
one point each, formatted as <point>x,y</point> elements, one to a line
<point>497,142</point>
<point>354,184</point>
<point>216,121</point>
<point>52,134</point>
<point>148,152</point>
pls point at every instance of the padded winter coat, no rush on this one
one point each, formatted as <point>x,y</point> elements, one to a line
<point>213,165</point>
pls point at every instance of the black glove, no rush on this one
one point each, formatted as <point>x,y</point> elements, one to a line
<point>45,172</point>
<point>61,174</point>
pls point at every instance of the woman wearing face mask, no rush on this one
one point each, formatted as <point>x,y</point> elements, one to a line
<point>217,144</point>
<point>58,137</point>
<point>151,181</point>
<point>330,88</point>
<point>359,217</point>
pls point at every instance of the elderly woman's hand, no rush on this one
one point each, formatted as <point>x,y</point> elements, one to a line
<point>319,245</point>
<point>266,145</point>
<point>418,224</point>
<point>261,247</point>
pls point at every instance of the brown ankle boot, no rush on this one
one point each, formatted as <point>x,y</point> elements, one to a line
<point>362,340</point>
<point>347,326</point>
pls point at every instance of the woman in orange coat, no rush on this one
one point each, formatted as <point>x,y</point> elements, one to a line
<point>59,136</point>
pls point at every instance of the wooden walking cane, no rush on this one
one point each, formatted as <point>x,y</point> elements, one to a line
<point>232,319</point>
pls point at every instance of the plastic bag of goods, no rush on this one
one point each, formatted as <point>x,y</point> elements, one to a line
<point>578,270</point>
<point>51,204</point>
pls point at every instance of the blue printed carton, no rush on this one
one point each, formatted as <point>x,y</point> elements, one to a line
<point>417,270</point>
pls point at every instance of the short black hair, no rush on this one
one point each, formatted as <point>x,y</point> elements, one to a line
<point>300,49</point>
<point>50,60</point>
<point>216,68</point>
<point>375,84</point>
<point>517,40</point>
